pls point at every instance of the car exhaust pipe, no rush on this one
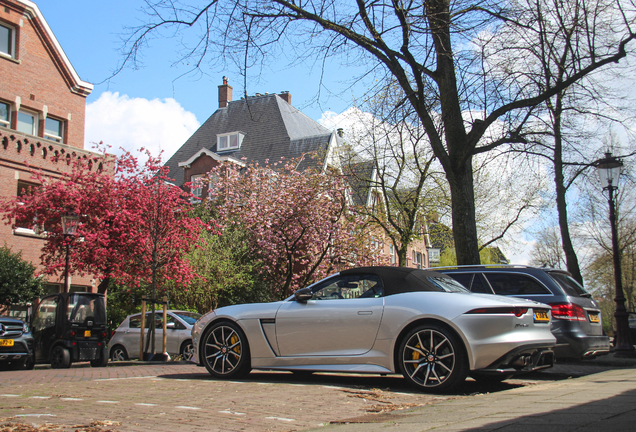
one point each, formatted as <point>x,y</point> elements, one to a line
<point>522,361</point>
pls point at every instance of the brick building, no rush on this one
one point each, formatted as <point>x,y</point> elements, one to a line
<point>42,110</point>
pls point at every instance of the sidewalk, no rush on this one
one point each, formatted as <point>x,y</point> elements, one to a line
<point>601,401</point>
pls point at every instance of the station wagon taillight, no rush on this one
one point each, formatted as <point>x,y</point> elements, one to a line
<point>568,311</point>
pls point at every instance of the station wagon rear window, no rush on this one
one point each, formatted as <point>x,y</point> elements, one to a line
<point>569,285</point>
<point>515,284</point>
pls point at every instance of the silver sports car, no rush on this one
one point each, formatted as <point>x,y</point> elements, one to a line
<point>383,320</point>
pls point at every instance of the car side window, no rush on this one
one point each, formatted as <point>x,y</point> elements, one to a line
<point>480,286</point>
<point>349,287</point>
<point>465,279</point>
<point>515,284</point>
<point>134,322</point>
<point>46,314</point>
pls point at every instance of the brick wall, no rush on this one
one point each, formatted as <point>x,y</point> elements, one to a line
<point>18,152</point>
<point>37,77</point>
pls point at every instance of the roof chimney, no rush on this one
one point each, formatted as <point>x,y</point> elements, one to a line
<point>225,93</point>
<point>286,96</point>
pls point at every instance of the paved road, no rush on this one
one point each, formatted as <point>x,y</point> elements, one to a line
<point>176,397</point>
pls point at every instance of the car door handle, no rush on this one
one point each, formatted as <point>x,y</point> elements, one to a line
<point>365,312</point>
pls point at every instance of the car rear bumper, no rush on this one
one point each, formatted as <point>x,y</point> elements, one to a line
<point>576,345</point>
<point>521,360</point>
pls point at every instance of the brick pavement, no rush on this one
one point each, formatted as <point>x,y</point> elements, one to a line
<point>185,397</point>
<point>180,396</point>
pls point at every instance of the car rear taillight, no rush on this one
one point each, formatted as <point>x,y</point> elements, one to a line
<point>113,333</point>
<point>568,311</point>
<point>516,311</point>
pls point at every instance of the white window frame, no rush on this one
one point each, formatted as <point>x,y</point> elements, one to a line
<point>226,138</point>
<point>6,123</point>
<point>12,38</point>
<point>50,136</point>
<point>36,119</point>
<point>392,254</point>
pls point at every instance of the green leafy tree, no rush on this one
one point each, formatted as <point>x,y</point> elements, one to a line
<point>18,282</point>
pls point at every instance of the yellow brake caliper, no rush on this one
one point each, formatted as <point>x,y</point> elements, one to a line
<point>237,349</point>
<point>416,355</point>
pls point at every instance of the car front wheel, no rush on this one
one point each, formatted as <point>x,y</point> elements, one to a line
<point>224,351</point>
<point>432,358</point>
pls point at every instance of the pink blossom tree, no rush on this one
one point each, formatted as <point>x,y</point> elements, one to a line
<point>300,223</point>
<point>135,226</point>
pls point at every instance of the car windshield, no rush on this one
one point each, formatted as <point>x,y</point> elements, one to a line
<point>188,317</point>
<point>448,284</point>
<point>569,285</point>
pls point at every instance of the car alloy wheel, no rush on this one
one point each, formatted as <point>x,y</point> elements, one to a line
<point>187,350</point>
<point>118,353</point>
<point>432,358</point>
<point>225,352</point>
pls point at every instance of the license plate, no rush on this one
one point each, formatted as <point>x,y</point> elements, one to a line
<point>541,316</point>
<point>594,318</point>
<point>6,342</point>
<point>87,333</point>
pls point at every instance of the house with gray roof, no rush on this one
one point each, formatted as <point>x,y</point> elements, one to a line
<point>253,129</point>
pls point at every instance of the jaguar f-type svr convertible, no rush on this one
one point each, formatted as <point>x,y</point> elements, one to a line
<point>383,320</point>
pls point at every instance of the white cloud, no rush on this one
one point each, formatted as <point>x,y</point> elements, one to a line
<point>132,123</point>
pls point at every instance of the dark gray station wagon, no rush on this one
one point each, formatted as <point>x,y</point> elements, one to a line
<point>576,317</point>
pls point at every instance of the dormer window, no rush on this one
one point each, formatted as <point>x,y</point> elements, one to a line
<point>229,141</point>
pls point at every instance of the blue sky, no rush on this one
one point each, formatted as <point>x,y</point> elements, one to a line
<point>90,33</point>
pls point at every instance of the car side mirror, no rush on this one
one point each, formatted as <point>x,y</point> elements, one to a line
<point>170,325</point>
<point>303,294</point>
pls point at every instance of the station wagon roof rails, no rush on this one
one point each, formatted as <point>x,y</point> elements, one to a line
<point>482,266</point>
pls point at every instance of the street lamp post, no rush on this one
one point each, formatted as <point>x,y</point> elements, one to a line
<point>609,170</point>
<point>70,222</point>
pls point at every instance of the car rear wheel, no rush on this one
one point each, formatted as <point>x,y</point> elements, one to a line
<point>225,352</point>
<point>60,358</point>
<point>118,353</point>
<point>102,361</point>
<point>187,350</point>
<point>432,358</point>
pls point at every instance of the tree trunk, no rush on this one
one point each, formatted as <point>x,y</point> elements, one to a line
<point>460,180</point>
<point>571,259</point>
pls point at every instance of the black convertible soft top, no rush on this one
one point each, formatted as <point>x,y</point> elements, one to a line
<point>397,280</point>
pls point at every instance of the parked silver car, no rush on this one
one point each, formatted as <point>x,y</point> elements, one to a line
<point>124,342</point>
<point>380,320</point>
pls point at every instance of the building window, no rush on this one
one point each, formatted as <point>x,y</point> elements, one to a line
<point>23,189</point>
<point>5,114</point>
<point>392,254</point>
<point>53,129</point>
<point>7,40</point>
<point>27,123</point>
<point>231,141</point>
<point>197,186</point>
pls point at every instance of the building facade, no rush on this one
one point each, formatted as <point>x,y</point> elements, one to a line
<point>42,117</point>
<point>267,127</point>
